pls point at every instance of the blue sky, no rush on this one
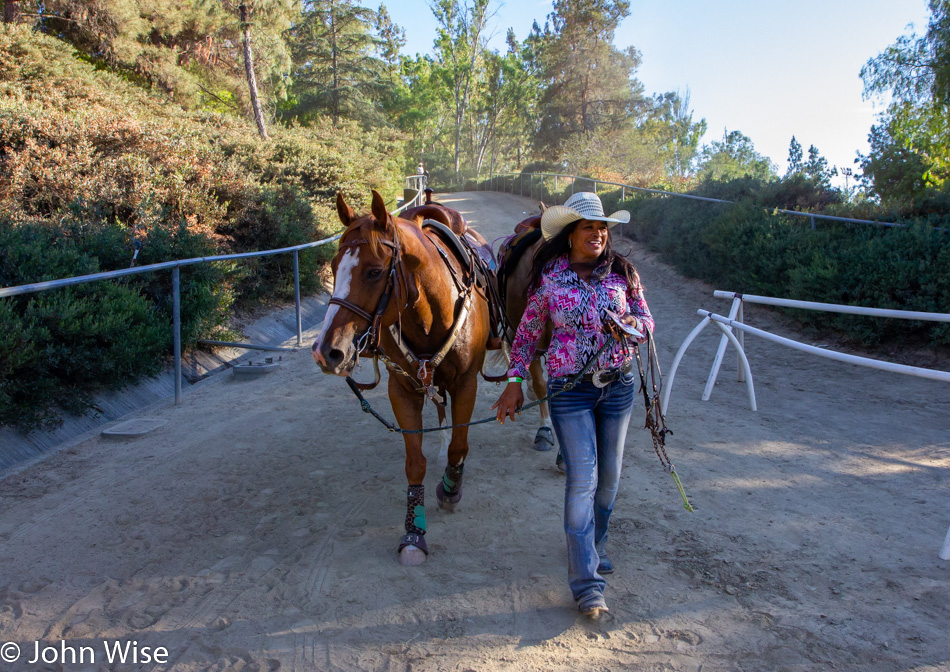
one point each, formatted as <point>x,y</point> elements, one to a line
<point>769,69</point>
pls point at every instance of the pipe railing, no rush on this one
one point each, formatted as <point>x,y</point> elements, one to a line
<point>413,182</point>
<point>735,321</point>
<point>624,187</point>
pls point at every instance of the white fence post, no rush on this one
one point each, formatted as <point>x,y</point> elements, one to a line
<point>721,351</point>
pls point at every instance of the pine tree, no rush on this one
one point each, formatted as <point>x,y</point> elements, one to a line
<point>589,85</point>
<point>337,68</point>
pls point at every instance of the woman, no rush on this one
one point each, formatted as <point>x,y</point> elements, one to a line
<point>576,279</point>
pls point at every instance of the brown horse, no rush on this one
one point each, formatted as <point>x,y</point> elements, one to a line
<point>402,295</point>
<point>514,270</point>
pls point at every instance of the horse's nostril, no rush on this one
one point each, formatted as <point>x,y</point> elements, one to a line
<point>335,357</point>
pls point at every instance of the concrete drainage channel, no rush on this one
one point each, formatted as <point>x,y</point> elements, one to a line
<point>114,417</point>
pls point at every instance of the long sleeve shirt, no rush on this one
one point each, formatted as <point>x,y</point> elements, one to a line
<point>576,308</point>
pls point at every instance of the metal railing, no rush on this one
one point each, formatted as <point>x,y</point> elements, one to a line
<point>413,182</point>
<point>492,180</point>
<point>735,321</point>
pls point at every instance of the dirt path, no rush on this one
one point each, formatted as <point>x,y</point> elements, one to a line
<point>256,529</point>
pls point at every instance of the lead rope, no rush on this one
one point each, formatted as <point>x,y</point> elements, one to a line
<point>655,421</point>
<point>367,408</point>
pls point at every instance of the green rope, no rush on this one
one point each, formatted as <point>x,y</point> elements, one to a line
<point>679,486</point>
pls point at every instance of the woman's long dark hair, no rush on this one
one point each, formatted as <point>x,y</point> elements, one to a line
<point>558,245</point>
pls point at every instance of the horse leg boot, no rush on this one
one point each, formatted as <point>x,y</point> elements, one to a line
<point>449,490</point>
<point>407,407</point>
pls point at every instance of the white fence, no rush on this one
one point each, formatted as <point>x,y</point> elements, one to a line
<point>734,322</point>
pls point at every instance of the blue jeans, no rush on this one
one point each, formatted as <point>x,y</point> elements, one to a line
<point>591,426</point>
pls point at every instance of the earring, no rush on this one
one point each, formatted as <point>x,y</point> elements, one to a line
<point>570,243</point>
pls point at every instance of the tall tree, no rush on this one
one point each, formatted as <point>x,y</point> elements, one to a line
<point>10,12</point>
<point>192,51</point>
<point>269,14</point>
<point>249,70</point>
<point>589,85</point>
<point>734,157</point>
<point>460,37</point>
<point>910,147</point>
<point>391,40</point>
<point>504,107</point>
<point>817,170</point>
<point>795,157</point>
<point>337,67</point>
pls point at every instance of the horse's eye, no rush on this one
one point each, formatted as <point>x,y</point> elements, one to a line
<point>374,273</point>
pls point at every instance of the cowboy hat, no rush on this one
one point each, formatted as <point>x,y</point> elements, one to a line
<point>582,205</point>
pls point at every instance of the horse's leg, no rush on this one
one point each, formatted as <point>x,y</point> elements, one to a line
<point>443,439</point>
<point>544,439</point>
<point>449,490</point>
<point>407,407</point>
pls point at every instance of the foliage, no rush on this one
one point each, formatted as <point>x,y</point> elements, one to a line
<point>734,157</point>
<point>750,248</point>
<point>337,66</point>
<point>54,343</point>
<point>910,147</point>
<point>588,84</point>
<point>94,167</point>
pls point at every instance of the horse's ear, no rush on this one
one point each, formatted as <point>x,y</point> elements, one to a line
<point>380,213</point>
<point>543,207</point>
<point>347,216</point>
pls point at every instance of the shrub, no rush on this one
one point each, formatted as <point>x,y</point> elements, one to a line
<point>93,168</point>
<point>745,247</point>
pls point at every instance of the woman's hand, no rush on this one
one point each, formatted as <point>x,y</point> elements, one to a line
<point>510,402</point>
<point>634,322</point>
<point>630,319</point>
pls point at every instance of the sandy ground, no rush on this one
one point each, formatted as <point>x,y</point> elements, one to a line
<point>256,530</point>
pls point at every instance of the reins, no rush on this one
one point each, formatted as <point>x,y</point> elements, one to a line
<point>367,408</point>
<point>655,421</point>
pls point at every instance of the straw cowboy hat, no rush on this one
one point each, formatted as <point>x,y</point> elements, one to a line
<point>582,205</point>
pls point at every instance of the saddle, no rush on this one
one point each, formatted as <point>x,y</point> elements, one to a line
<point>477,258</point>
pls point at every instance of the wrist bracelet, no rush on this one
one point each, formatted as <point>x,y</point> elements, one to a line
<point>516,379</point>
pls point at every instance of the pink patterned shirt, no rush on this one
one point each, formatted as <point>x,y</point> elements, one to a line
<point>576,309</point>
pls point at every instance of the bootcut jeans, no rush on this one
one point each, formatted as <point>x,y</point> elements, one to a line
<point>591,427</point>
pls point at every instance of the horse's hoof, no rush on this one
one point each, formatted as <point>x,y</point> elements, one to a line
<point>447,502</point>
<point>410,556</point>
<point>544,439</point>
<point>412,550</point>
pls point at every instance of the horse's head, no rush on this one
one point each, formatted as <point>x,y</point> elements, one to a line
<point>365,271</point>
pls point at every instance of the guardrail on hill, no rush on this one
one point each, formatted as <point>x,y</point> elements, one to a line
<point>493,181</point>
<point>413,182</point>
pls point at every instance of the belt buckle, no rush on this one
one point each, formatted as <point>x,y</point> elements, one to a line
<point>602,378</point>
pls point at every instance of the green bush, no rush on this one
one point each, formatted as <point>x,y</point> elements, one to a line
<point>747,248</point>
<point>57,347</point>
<point>93,168</point>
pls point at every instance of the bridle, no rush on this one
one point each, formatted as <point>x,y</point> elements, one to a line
<point>421,369</point>
<point>369,341</point>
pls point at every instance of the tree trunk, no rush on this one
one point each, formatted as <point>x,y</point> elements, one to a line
<point>459,117</point>
<point>9,11</point>
<point>249,70</point>
<point>335,97</point>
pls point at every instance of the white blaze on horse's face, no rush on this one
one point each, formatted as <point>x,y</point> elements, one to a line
<point>333,348</point>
